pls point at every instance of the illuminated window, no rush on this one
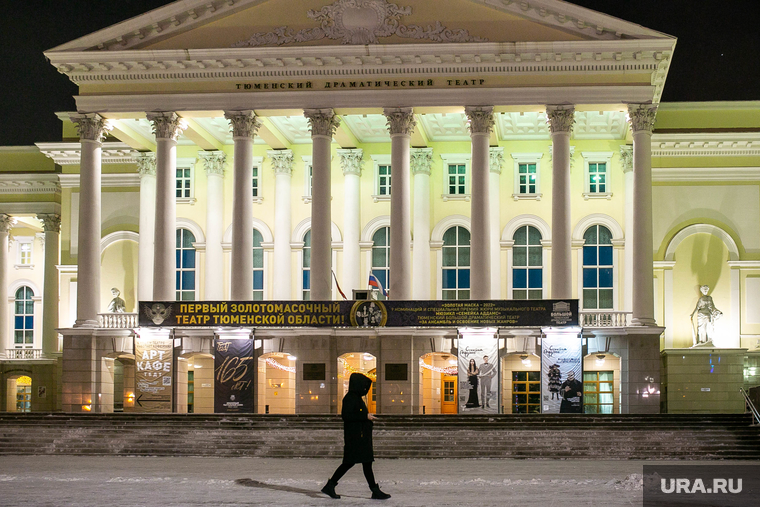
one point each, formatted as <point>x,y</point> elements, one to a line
<point>456,174</point>
<point>23,326</point>
<point>526,392</point>
<point>381,252</point>
<point>25,253</point>
<point>24,394</point>
<point>306,267</point>
<point>456,263</point>
<point>527,173</point>
<point>456,181</point>
<point>597,175</point>
<point>255,183</point>
<point>258,266</point>
<point>598,397</point>
<point>597,268</point>
<point>527,264</point>
<point>184,182</point>
<point>185,265</point>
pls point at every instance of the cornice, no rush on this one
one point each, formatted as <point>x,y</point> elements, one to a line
<point>29,183</point>
<point>70,153</point>
<point>706,145</point>
<point>106,180</point>
<point>716,174</point>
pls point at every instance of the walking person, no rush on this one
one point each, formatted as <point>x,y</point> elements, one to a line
<point>357,435</point>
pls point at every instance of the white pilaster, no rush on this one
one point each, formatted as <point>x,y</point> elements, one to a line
<point>167,127</point>
<point>401,123</point>
<point>214,265</point>
<point>51,224</point>
<point>626,157</point>
<point>561,119</point>
<point>351,163</point>
<point>244,124</point>
<point>6,222</point>
<point>421,162</point>
<point>92,129</point>
<point>496,161</point>
<point>642,118</point>
<point>282,164</point>
<point>323,123</point>
<point>146,166</point>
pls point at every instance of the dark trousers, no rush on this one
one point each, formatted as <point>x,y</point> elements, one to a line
<point>345,467</point>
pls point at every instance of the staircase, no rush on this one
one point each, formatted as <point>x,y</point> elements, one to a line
<point>662,436</point>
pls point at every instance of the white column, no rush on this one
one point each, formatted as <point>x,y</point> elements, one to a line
<point>245,124</point>
<point>351,163</point>
<point>626,159</point>
<point>323,123</point>
<point>480,122</point>
<point>6,223</point>
<point>421,162</point>
<point>214,265</point>
<point>642,118</point>
<point>167,127</point>
<point>92,128</point>
<point>497,159</point>
<point>401,123</point>
<point>561,119</point>
<point>51,224</point>
<point>282,164</point>
<point>146,167</point>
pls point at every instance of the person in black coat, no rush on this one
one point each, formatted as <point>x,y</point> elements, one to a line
<point>357,435</point>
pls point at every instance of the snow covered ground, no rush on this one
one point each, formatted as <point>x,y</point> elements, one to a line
<point>227,482</point>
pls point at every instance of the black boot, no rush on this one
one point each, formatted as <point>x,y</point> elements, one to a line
<point>377,494</point>
<point>329,489</point>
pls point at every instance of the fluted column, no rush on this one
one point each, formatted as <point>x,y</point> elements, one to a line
<point>351,163</point>
<point>282,164</point>
<point>146,167</point>
<point>626,160</point>
<point>92,129</point>
<point>421,162</point>
<point>497,160</point>
<point>245,124</point>
<point>167,127</point>
<point>322,123</point>
<point>642,118</point>
<point>51,224</point>
<point>401,123</point>
<point>213,162</point>
<point>480,122</point>
<point>6,223</point>
<point>561,120</point>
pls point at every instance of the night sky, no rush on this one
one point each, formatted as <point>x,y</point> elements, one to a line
<point>716,56</point>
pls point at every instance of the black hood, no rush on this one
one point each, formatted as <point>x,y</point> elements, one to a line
<point>359,384</point>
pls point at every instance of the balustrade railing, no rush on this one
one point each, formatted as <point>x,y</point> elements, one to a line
<point>601,318</point>
<point>117,320</point>
<point>23,353</point>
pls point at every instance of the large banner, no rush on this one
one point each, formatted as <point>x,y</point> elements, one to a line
<point>233,375</point>
<point>561,374</point>
<point>154,367</point>
<point>478,373</point>
<point>364,313</point>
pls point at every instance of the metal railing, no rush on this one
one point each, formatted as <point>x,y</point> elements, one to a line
<point>23,353</point>
<point>117,320</point>
<point>601,318</point>
<point>752,408</point>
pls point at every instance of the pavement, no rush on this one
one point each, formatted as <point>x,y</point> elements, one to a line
<point>230,482</point>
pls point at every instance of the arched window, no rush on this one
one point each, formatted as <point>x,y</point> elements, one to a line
<point>456,263</point>
<point>306,267</point>
<point>185,265</point>
<point>381,251</point>
<point>597,268</point>
<point>258,266</point>
<point>527,264</point>
<point>23,327</point>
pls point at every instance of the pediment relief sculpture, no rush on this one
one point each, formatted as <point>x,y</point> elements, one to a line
<point>359,22</point>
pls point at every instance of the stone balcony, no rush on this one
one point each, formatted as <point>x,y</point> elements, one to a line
<point>23,353</point>
<point>118,320</point>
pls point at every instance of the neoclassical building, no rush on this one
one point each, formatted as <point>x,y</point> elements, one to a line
<point>286,150</point>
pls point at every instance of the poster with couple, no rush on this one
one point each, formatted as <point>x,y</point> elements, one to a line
<point>478,373</point>
<point>561,375</point>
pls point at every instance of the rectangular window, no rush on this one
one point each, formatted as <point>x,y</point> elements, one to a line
<point>255,183</point>
<point>528,183</point>
<point>25,251</point>
<point>383,180</point>
<point>597,172</point>
<point>598,394</point>
<point>597,178</point>
<point>457,179</point>
<point>184,182</point>
<point>526,392</point>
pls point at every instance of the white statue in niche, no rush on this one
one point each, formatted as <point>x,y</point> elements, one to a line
<point>117,305</point>
<point>707,314</point>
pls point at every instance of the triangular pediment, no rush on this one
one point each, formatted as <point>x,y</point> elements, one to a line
<point>217,24</point>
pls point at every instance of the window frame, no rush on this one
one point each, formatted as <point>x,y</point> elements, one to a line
<point>186,163</point>
<point>512,266</point>
<point>524,159</point>
<point>386,270</point>
<point>378,161</point>
<point>24,316</point>
<point>528,383</point>
<point>597,391</point>
<point>303,268</point>
<point>458,159</point>
<point>261,269</point>
<point>20,241</point>
<point>257,190</point>
<point>597,266</point>
<point>196,278</point>
<point>307,178</point>
<point>457,267</point>
<point>597,157</point>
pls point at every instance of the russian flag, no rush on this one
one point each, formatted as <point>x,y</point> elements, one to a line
<point>375,283</point>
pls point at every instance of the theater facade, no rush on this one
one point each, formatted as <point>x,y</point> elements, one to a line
<point>482,205</point>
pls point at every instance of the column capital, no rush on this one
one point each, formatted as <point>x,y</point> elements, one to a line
<point>560,118</point>
<point>626,157</point>
<point>6,222</point>
<point>51,222</point>
<point>496,159</point>
<point>91,127</point>
<point>243,123</point>
<point>351,161</point>
<point>213,162</point>
<point>421,160</point>
<point>166,125</point>
<point>146,163</point>
<point>282,161</point>
<point>641,117</point>
<point>322,122</point>
<point>480,119</point>
<point>400,120</point>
